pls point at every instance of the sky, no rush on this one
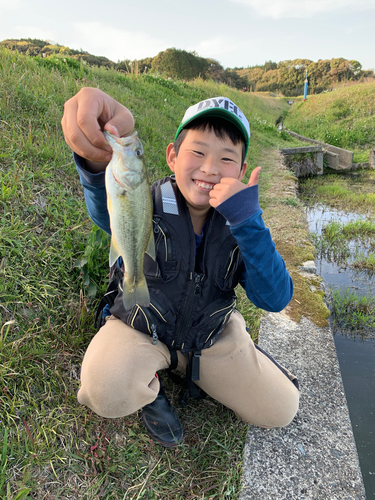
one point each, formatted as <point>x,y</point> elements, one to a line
<point>237,33</point>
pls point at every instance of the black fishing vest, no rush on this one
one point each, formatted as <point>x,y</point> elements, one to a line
<point>191,297</point>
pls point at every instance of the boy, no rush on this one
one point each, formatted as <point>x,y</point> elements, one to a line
<point>209,236</point>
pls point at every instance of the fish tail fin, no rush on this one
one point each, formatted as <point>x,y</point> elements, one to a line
<point>135,293</point>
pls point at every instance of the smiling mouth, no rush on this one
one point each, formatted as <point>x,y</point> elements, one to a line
<point>204,185</point>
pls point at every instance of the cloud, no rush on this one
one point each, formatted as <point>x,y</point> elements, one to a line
<point>9,5</point>
<point>215,47</point>
<point>304,8</point>
<point>99,38</point>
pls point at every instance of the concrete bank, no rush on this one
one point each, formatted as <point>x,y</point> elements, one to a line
<point>315,457</point>
<point>338,158</point>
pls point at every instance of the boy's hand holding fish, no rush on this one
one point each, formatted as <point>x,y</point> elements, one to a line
<point>86,115</point>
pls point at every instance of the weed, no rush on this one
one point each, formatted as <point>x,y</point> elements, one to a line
<point>352,314</point>
<point>350,192</point>
<point>93,265</point>
<point>364,262</point>
<point>291,202</point>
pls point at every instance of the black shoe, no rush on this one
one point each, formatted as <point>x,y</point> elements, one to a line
<point>162,421</point>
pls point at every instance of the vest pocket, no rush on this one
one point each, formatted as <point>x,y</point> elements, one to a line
<point>158,320</point>
<point>167,265</point>
<point>228,275</point>
<point>213,320</point>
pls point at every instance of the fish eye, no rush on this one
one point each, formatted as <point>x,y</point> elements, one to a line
<point>139,151</point>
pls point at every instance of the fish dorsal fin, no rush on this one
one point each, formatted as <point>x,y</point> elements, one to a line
<point>151,247</point>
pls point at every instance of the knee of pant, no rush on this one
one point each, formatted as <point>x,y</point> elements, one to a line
<point>117,390</point>
<point>113,398</point>
<point>105,391</point>
<point>284,415</point>
<point>273,415</point>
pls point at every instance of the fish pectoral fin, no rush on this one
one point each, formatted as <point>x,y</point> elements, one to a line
<point>114,254</point>
<point>151,247</point>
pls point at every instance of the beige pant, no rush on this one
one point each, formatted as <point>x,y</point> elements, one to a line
<point>118,374</point>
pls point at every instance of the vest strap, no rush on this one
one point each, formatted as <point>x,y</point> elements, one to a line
<point>169,199</point>
<point>193,390</point>
<point>174,359</point>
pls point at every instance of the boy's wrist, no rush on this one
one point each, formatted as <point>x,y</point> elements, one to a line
<point>88,179</point>
<point>240,206</point>
<point>94,167</point>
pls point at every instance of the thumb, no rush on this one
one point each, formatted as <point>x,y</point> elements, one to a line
<point>254,177</point>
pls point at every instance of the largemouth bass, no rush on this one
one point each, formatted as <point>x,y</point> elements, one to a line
<point>129,204</point>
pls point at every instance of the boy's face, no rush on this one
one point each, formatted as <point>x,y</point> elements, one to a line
<point>203,159</point>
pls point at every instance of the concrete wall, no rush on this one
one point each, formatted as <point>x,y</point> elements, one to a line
<point>345,157</point>
<point>314,457</point>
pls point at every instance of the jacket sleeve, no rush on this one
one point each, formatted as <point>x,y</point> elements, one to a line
<point>266,280</point>
<point>95,195</point>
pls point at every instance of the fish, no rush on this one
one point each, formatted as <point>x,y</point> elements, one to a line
<point>130,209</point>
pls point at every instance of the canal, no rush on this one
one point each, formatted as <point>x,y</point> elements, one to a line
<point>342,224</point>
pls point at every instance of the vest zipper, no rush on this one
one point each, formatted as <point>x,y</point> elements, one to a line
<point>194,293</point>
<point>154,334</point>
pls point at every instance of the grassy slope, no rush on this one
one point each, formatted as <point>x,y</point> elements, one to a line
<point>343,118</point>
<point>48,443</point>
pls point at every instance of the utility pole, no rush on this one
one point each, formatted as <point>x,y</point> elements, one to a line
<point>305,93</point>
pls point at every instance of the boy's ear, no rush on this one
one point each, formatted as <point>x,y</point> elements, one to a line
<point>171,156</point>
<point>243,171</point>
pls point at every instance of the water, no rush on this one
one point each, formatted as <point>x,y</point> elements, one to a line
<point>356,354</point>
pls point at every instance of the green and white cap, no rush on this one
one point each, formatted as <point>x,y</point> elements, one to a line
<point>221,107</point>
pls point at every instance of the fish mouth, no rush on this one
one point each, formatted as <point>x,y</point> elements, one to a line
<point>206,186</point>
<point>121,141</point>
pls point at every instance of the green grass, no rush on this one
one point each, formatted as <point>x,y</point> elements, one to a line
<point>364,262</point>
<point>343,118</point>
<point>345,244</point>
<point>355,193</point>
<point>54,267</point>
<point>352,314</point>
<point>356,229</point>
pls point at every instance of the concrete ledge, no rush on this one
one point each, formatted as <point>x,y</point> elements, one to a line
<point>315,457</point>
<point>318,162</point>
<point>345,156</point>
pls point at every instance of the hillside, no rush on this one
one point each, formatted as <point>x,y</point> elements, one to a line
<point>285,77</point>
<point>288,77</point>
<point>343,118</point>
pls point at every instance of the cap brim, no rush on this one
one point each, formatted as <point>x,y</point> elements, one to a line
<point>219,113</point>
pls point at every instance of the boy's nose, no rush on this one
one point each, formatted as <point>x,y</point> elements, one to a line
<point>209,167</point>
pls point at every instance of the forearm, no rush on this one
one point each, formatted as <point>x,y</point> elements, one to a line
<point>266,279</point>
<point>95,194</point>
